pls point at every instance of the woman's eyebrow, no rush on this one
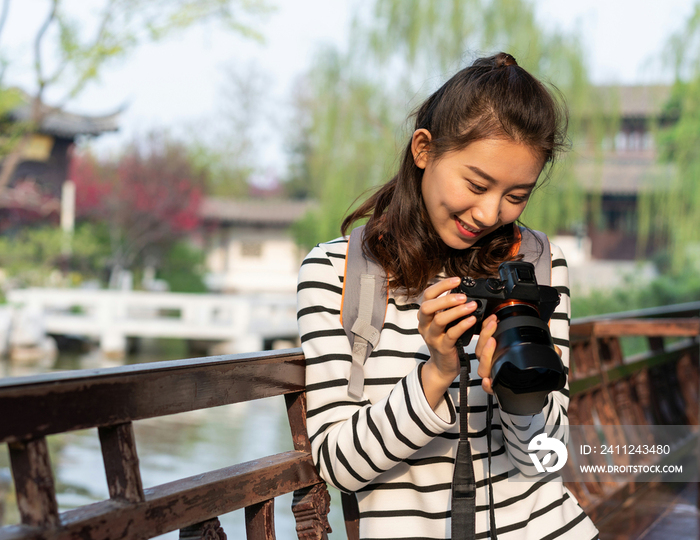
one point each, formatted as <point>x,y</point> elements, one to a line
<point>492,180</point>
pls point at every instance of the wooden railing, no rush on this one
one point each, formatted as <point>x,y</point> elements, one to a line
<point>659,385</point>
<point>111,399</point>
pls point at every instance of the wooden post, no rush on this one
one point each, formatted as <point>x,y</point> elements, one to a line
<point>206,530</point>
<point>351,512</point>
<point>121,462</point>
<point>310,507</point>
<point>36,494</point>
<point>656,343</point>
<point>260,521</point>
<point>296,414</point>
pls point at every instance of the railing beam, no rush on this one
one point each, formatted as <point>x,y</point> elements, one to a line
<point>178,504</point>
<point>91,398</point>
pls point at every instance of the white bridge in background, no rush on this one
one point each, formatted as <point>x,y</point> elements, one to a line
<point>240,323</point>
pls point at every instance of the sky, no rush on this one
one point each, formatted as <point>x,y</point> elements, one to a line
<point>181,83</point>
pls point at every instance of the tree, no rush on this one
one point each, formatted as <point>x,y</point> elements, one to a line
<point>119,27</point>
<point>148,199</point>
<point>675,211</point>
<point>228,157</point>
<point>354,101</point>
<point>35,256</point>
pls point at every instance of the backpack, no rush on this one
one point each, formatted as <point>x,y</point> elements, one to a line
<point>366,295</point>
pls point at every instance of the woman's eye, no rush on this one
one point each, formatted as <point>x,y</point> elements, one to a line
<point>517,199</point>
<point>476,188</point>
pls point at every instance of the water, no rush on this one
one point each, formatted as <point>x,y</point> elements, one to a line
<point>169,448</point>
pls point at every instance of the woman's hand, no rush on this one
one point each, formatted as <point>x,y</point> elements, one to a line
<point>435,313</point>
<point>485,347</point>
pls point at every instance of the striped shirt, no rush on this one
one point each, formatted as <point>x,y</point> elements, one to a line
<point>394,450</point>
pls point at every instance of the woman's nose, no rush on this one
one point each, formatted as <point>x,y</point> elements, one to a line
<point>487,212</point>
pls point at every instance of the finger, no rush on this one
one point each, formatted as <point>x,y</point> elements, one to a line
<point>431,307</point>
<point>444,317</point>
<point>455,332</point>
<point>486,358</point>
<point>487,385</point>
<point>488,328</point>
<point>440,287</point>
<point>556,348</point>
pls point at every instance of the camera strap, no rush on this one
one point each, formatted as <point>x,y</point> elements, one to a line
<point>463,480</point>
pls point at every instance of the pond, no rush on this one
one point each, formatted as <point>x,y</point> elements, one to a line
<point>169,448</point>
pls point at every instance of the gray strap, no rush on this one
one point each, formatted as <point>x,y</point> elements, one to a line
<point>534,247</point>
<point>364,307</point>
<point>365,334</point>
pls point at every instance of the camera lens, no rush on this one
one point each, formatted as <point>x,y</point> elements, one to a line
<point>513,308</point>
<point>526,379</point>
<point>526,367</point>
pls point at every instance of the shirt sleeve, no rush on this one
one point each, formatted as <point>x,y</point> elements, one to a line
<point>553,419</point>
<point>352,441</point>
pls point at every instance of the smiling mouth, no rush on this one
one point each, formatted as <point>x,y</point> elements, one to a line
<point>464,228</point>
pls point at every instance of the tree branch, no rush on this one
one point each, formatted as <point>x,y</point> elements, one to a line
<point>3,14</point>
<point>96,48</point>
<point>37,53</point>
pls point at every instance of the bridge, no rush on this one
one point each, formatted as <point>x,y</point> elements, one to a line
<point>240,323</point>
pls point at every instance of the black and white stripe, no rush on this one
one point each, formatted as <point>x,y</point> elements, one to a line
<point>393,450</point>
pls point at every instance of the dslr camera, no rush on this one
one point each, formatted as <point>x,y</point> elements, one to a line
<point>526,367</point>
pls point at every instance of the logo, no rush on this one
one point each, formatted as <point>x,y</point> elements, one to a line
<point>542,442</point>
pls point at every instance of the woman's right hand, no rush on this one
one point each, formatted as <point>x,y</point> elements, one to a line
<point>437,310</point>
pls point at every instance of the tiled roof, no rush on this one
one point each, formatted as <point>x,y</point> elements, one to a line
<point>634,101</point>
<point>624,175</point>
<point>254,212</point>
<point>60,123</point>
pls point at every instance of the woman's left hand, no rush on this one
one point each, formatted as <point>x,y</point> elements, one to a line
<point>485,347</point>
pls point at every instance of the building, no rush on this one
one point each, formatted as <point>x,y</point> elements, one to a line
<point>249,244</point>
<point>34,188</point>
<point>628,168</point>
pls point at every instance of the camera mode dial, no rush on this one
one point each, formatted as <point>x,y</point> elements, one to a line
<point>494,285</point>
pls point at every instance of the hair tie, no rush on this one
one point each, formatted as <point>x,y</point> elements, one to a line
<point>504,60</point>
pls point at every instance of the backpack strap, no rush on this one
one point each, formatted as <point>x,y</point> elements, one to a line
<point>363,307</point>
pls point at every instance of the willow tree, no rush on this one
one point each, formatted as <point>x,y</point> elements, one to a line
<point>675,211</point>
<point>343,142</point>
<point>356,102</point>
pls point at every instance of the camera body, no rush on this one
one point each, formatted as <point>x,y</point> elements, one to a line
<point>526,367</point>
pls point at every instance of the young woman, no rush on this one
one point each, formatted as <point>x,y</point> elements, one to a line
<point>478,149</point>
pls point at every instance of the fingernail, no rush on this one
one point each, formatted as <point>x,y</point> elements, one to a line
<point>460,297</point>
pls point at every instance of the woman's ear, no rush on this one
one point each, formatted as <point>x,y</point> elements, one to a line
<point>420,146</point>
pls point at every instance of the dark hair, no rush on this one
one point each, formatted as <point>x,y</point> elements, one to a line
<point>494,98</point>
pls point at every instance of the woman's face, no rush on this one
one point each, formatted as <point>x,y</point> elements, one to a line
<point>471,192</point>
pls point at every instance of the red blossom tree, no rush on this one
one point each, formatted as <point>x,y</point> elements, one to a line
<point>148,198</point>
